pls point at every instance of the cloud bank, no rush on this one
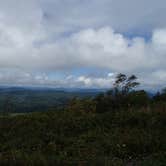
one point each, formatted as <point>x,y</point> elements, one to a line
<point>39,38</point>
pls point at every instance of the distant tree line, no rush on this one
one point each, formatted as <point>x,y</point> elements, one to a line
<point>122,96</point>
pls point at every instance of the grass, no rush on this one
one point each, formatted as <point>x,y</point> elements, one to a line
<point>74,138</point>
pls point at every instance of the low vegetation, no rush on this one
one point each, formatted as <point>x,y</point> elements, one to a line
<point>134,137</point>
<point>120,127</point>
<point>122,96</point>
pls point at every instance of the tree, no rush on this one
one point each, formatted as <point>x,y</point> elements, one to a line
<point>164,91</point>
<point>124,84</point>
<point>82,105</point>
<point>138,98</point>
<point>160,96</point>
<point>8,105</point>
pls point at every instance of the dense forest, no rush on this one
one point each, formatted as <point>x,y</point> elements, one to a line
<point>122,126</point>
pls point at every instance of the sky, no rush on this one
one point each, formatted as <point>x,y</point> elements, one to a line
<point>82,43</point>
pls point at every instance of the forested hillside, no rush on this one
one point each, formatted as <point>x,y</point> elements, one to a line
<point>121,127</point>
<point>21,100</point>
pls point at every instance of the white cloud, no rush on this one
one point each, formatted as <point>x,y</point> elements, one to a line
<point>101,48</point>
<point>129,15</point>
<point>46,36</point>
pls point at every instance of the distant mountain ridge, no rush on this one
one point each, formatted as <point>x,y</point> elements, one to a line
<point>30,99</point>
<point>20,88</point>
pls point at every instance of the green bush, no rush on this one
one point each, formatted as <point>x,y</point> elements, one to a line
<point>71,138</point>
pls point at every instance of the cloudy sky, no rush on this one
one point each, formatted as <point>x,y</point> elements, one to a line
<point>82,43</point>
